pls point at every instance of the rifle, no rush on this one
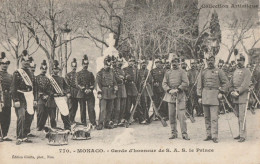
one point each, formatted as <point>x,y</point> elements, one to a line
<point>164,123</point>
<point>247,100</point>
<point>138,98</point>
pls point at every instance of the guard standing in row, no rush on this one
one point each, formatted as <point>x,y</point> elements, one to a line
<point>22,82</point>
<point>240,84</point>
<point>120,100</point>
<point>174,83</point>
<point>5,112</point>
<point>29,121</point>
<point>107,85</point>
<point>157,75</point>
<point>42,92</point>
<point>212,83</point>
<point>131,89</point>
<point>71,79</point>
<point>192,96</point>
<point>58,90</point>
<point>143,113</point>
<point>86,82</point>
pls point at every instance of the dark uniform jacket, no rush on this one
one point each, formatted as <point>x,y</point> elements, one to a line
<point>121,93</point>
<point>240,82</point>
<point>42,88</point>
<point>106,81</point>
<point>19,84</point>
<point>141,76</point>
<point>64,87</point>
<point>71,79</point>
<point>157,75</point>
<point>6,81</point>
<point>86,80</point>
<point>210,81</point>
<point>130,85</point>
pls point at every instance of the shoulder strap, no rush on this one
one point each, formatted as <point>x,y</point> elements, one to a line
<point>25,77</point>
<point>55,85</point>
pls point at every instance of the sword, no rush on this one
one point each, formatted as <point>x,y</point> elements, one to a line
<point>244,121</point>
<point>225,110</point>
<point>230,106</point>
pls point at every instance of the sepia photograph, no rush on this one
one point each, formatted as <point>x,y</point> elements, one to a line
<point>130,81</point>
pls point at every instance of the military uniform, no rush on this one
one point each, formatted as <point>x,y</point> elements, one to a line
<point>19,86</point>
<point>120,100</point>
<point>42,93</point>
<point>157,75</point>
<point>86,80</point>
<point>107,84</point>
<point>131,89</point>
<point>210,82</point>
<point>71,79</point>
<point>145,100</point>
<point>5,115</point>
<point>51,105</point>
<point>176,79</point>
<point>193,99</point>
<point>28,122</point>
<point>240,83</point>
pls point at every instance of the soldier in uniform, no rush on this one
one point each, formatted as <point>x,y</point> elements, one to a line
<point>51,105</point>
<point>157,75</point>
<point>240,86</point>
<point>192,96</point>
<point>19,86</point>
<point>86,82</point>
<point>28,122</point>
<point>131,89</point>
<point>143,113</point>
<point>220,64</point>
<point>71,79</point>
<point>42,93</point>
<point>5,111</point>
<point>120,100</point>
<point>107,85</point>
<point>212,82</point>
<point>174,83</point>
<point>165,110</point>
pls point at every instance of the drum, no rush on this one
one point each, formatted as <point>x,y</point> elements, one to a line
<point>81,131</point>
<point>58,138</point>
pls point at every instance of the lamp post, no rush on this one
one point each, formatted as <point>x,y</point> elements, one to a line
<point>66,37</point>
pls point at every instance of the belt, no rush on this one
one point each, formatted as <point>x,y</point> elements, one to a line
<point>210,88</point>
<point>22,91</point>
<point>109,86</point>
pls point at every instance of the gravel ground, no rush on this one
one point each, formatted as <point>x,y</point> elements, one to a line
<point>142,144</point>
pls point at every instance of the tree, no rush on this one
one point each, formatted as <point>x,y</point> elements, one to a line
<point>14,37</point>
<point>45,20</point>
<point>215,32</point>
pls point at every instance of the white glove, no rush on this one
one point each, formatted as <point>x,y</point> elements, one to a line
<point>35,103</point>
<point>68,95</point>
<point>200,100</point>
<point>172,91</point>
<point>234,94</point>
<point>99,96</point>
<point>220,96</point>
<point>17,104</point>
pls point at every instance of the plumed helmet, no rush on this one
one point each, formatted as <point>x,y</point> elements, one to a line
<point>85,59</point>
<point>3,59</point>
<point>44,65</point>
<point>56,64</point>
<point>25,55</point>
<point>74,62</point>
